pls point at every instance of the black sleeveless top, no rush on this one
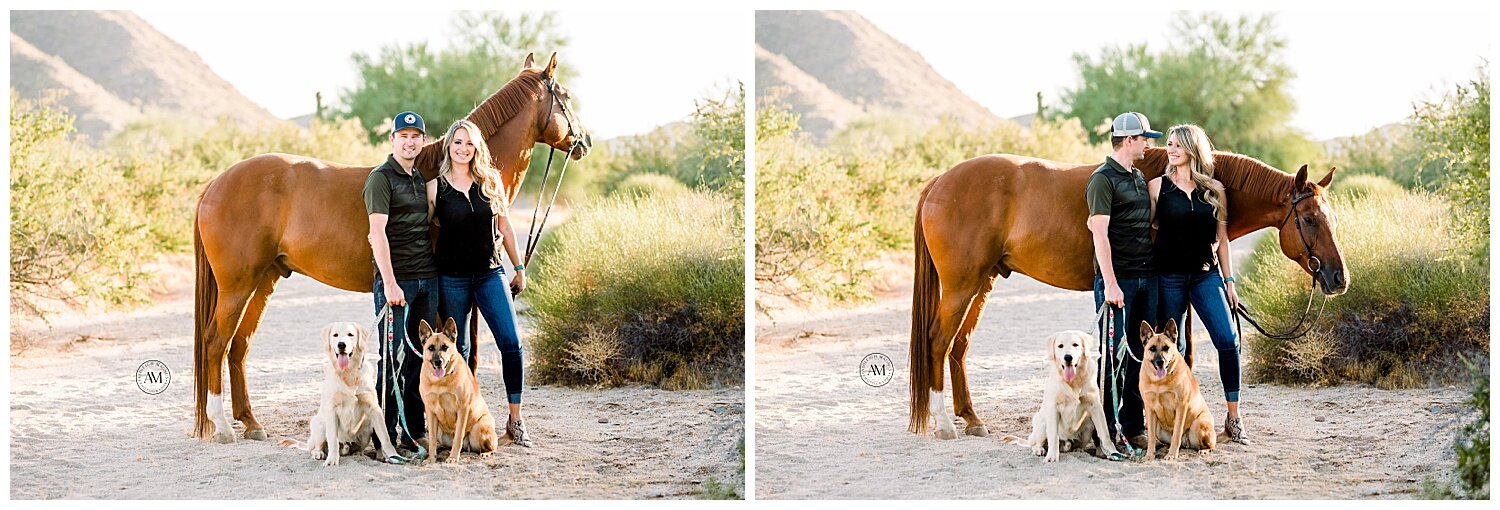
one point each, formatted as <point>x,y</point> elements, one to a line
<point>1185,231</point>
<point>466,242</point>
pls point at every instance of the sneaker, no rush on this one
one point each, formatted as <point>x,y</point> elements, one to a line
<point>1235,429</point>
<point>517,431</point>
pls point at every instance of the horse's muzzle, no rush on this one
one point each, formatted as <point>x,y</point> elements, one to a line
<point>582,147</point>
<point>1333,281</point>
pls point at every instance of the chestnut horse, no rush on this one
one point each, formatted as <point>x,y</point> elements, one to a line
<point>274,214</point>
<point>997,214</point>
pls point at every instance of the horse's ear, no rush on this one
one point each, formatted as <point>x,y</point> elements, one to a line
<point>1301,179</point>
<point>530,61</point>
<point>551,71</point>
<point>1328,179</point>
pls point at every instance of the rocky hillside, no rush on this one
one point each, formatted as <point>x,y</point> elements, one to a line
<point>112,67</point>
<point>833,66</point>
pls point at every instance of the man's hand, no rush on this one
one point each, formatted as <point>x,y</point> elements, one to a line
<point>1113,295</point>
<point>393,294</point>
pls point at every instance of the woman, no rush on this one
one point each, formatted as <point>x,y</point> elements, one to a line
<point>472,213</point>
<point>1191,253</point>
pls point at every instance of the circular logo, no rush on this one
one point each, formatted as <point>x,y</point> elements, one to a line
<point>876,370</point>
<point>153,377</point>
<point>411,119</point>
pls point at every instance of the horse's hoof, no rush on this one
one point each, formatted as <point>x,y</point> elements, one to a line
<point>224,438</point>
<point>946,434</point>
<point>977,431</point>
<point>256,434</point>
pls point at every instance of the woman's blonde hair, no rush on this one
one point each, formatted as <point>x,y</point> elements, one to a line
<point>481,168</point>
<point>1200,153</point>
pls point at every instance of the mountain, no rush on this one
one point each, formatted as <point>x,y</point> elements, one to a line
<point>833,66</point>
<point>113,67</point>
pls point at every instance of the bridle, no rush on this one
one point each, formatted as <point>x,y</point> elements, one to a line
<point>534,233</point>
<point>1314,266</point>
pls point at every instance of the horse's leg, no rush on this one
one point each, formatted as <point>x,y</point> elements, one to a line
<point>962,404</point>
<point>230,308</point>
<point>239,349</point>
<point>951,310</point>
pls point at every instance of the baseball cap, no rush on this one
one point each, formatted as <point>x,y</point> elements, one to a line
<point>405,120</point>
<point>1133,124</point>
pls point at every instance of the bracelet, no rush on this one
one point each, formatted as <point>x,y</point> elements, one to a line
<point>520,267</point>
<point>1229,280</point>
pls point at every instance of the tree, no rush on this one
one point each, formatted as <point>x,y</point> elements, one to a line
<point>484,53</point>
<point>1227,76</point>
<point>1453,134</point>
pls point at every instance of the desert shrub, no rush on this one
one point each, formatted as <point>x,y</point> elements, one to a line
<point>1361,186</point>
<point>1471,448</point>
<point>1417,299</point>
<point>651,184</point>
<point>79,226</point>
<point>643,288</point>
<point>84,219</point>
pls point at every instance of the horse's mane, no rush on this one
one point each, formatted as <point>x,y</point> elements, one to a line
<point>1252,177</point>
<point>1237,172</point>
<point>489,115</point>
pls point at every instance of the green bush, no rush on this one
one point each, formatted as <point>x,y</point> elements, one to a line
<point>651,184</point>
<point>1417,299</point>
<point>643,289</point>
<point>84,220</point>
<point>1366,186</point>
<point>79,225</point>
<point>1471,448</point>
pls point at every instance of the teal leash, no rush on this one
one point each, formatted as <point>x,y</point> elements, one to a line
<point>395,360</point>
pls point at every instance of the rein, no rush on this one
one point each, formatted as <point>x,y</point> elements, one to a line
<point>1314,266</point>
<point>534,232</point>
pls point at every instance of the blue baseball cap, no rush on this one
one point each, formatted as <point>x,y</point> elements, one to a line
<point>1133,124</point>
<point>405,120</point>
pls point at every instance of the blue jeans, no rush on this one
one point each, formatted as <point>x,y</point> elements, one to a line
<point>1207,295</point>
<point>1140,305</point>
<point>421,304</point>
<point>490,293</point>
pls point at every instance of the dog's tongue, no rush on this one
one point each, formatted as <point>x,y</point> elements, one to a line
<point>343,361</point>
<point>1161,372</point>
<point>439,370</point>
<point>1069,373</point>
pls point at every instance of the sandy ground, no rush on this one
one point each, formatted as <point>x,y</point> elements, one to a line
<point>80,428</point>
<point>821,432</point>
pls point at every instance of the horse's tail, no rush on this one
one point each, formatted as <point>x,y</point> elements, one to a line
<point>204,301</point>
<point>924,309</point>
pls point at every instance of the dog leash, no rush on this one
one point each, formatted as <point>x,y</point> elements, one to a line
<point>1105,317</point>
<point>394,358</point>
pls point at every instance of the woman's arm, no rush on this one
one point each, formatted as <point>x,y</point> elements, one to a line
<point>432,201</point>
<point>1226,267</point>
<point>1154,187</point>
<point>506,233</point>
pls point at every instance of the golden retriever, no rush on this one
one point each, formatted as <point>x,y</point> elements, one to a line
<point>457,416</point>
<point>1175,410</point>
<point>1072,410</point>
<point>349,410</point>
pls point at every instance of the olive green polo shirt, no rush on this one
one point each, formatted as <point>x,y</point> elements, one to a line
<point>391,191</point>
<point>1122,195</point>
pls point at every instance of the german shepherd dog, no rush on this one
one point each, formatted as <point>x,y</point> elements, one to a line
<point>1175,411</point>
<point>456,413</point>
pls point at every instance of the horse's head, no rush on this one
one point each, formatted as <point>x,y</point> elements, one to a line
<point>561,128</point>
<point>1308,233</point>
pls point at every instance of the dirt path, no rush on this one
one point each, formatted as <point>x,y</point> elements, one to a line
<point>821,432</point>
<point>80,428</point>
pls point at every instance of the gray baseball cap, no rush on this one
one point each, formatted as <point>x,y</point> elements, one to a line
<point>1133,124</point>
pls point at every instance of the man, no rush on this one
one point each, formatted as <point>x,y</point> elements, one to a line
<point>406,272</point>
<point>1120,221</point>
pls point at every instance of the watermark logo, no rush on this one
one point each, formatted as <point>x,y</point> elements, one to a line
<point>876,369</point>
<point>153,377</point>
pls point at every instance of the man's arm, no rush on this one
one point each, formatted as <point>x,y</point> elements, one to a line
<point>1100,196</point>
<point>382,248</point>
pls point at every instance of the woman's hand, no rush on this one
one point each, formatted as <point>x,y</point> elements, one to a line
<point>518,283</point>
<point>1232,296</point>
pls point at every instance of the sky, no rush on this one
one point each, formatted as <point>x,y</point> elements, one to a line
<point>1355,70</point>
<point>281,59</point>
